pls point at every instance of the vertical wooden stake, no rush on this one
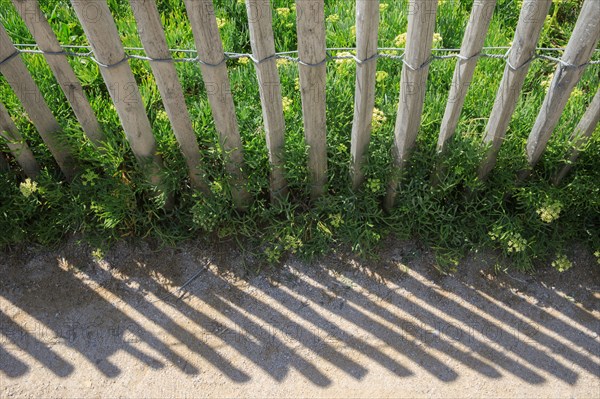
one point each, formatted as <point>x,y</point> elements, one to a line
<point>19,79</point>
<point>421,24</point>
<point>367,25</point>
<point>263,47</point>
<point>154,41</point>
<point>313,73</point>
<point>36,22</point>
<point>479,22</point>
<point>99,26</point>
<point>214,73</point>
<point>529,27</point>
<point>577,54</point>
<point>17,145</point>
<point>582,133</point>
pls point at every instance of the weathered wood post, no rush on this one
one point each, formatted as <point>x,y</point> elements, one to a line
<point>19,79</point>
<point>576,57</point>
<point>477,28</point>
<point>99,26</point>
<point>214,73</point>
<point>36,22</point>
<point>154,41</point>
<point>367,25</point>
<point>263,49</point>
<point>581,134</point>
<point>421,24</point>
<point>522,52</point>
<point>311,51</point>
<point>17,144</point>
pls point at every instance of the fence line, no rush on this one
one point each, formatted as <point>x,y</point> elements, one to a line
<point>421,24</point>
<point>312,55</point>
<point>367,23</point>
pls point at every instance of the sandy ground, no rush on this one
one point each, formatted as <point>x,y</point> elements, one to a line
<point>123,326</point>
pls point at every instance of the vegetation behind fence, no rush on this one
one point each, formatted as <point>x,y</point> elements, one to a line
<point>437,143</point>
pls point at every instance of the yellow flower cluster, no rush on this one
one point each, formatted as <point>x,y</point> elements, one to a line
<point>437,39</point>
<point>597,255</point>
<point>345,61</point>
<point>562,263</point>
<point>514,241</point>
<point>28,187</point>
<point>333,18</point>
<point>287,104</point>
<point>221,22</point>
<point>550,212</point>
<point>383,7</point>
<point>380,76</point>
<point>243,60</point>
<point>546,82</point>
<point>297,83</point>
<point>378,118</point>
<point>283,11</point>
<point>400,40</point>
<point>282,62</point>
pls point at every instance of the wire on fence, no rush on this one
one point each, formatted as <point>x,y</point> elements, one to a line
<point>287,55</point>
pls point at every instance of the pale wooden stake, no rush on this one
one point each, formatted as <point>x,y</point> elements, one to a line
<point>19,79</point>
<point>581,134</point>
<point>473,40</point>
<point>577,54</point>
<point>17,144</point>
<point>263,47</point>
<point>421,24</point>
<point>529,27</point>
<point>367,25</point>
<point>37,24</point>
<point>214,73</point>
<point>99,26</point>
<point>154,41</point>
<point>311,51</point>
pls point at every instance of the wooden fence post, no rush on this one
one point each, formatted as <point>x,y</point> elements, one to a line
<point>522,52</point>
<point>367,25</point>
<point>576,57</point>
<point>19,79</point>
<point>581,134</point>
<point>421,25</point>
<point>17,145</point>
<point>310,20</point>
<point>37,24</point>
<point>154,41</point>
<point>214,73</point>
<point>99,26</point>
<point>477,28</point>
<point>263,48</point>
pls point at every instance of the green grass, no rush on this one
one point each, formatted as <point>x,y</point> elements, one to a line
<point>110,199</point>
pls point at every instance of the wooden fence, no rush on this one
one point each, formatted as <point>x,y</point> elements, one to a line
<point>110,55</point>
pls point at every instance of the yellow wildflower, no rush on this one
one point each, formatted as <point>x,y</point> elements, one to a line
<point>400,40</point>
<point>282,62</point>
<point>380,76</point>
<point>378,118</point>
<point>243,60</point>
<point>28,187</point>
<point>550,212</point>
<point>562,263</point>
<point>333,18</point>
<point>383,7</point>
<point>283,11</point>
<point>287,104</point>
<point>221,22</point>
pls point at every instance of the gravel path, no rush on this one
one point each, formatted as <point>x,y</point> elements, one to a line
<point>122,326</point>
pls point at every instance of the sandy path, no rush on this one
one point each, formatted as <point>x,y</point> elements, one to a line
<point>72,326</point>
